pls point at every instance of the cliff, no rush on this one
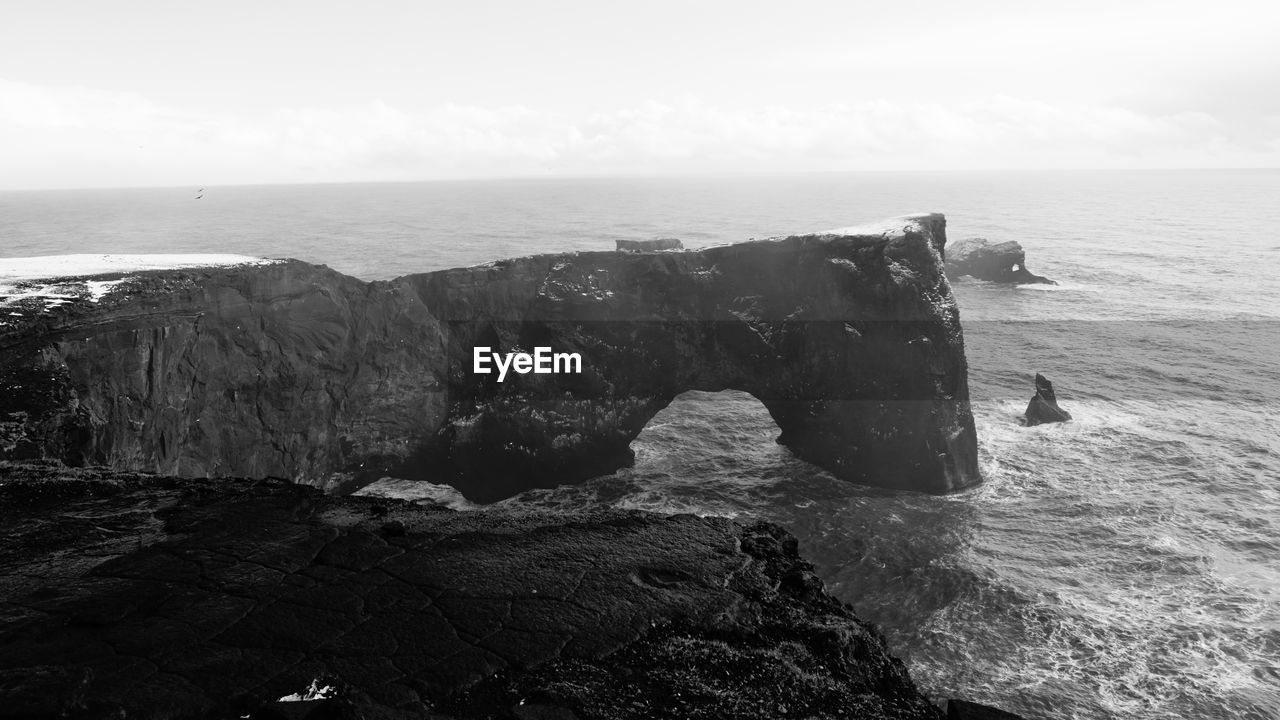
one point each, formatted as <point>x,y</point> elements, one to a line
<point>156,597</point>
<point>851,339</point>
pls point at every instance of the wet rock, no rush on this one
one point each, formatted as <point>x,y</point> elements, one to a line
<point>1043,408</point>
<point>1004,262</point>
<point>851,339</point>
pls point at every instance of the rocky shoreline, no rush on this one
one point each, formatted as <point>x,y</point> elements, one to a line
<point>142,596</point>
<point>194,593</point>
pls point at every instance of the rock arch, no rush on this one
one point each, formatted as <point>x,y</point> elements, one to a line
<point>850,338</point>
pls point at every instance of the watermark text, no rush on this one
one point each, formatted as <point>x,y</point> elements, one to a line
<point>541,362</point>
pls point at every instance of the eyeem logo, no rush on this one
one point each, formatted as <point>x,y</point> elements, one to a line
<point>541,362</point>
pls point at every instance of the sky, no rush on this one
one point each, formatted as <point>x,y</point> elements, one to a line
<point>158,93</point>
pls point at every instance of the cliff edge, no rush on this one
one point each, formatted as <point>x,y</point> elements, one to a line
<point>126,595</point>
<point>850,338</point>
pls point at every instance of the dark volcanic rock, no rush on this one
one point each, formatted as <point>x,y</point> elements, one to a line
<point>1004,262</point>
<point>156,597</point>
<point>650,245</point>
<point>851,339</point>
<point>1043,408</point>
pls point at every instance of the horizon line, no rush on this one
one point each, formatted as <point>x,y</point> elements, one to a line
<point>723,174</point>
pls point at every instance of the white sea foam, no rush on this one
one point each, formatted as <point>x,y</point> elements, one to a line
<point>889,226</point>
<point>417,491</point>
<point>1061,286</point>
<point>666,503</point>
<point>48,267</point>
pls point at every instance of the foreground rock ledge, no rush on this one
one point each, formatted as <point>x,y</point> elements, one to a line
<point>151,597</point>
<point>850,338</point>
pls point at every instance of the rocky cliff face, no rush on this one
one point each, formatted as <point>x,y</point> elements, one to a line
<point>287,370</point>
<point>850,339</point>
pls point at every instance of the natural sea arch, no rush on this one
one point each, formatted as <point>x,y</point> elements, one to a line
<point>851,339</point>
<point>709,431</point>
<point>852,342</point>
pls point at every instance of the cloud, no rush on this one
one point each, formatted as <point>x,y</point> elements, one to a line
<point>69,136</point>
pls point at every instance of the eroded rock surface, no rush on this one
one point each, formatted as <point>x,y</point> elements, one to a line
<point>1004,262</point>
<point>126,595</point>
<point>851,340</point>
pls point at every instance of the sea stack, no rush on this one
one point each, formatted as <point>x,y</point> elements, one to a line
<point>1004,262</point>
<point>1043,408</point>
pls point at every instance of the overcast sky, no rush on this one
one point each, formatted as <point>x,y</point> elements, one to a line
<point>134,92</point>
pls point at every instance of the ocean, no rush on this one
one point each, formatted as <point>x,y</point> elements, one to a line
<point>1123,565</point>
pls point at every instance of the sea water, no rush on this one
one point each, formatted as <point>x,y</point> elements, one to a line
<point>1123,565</point>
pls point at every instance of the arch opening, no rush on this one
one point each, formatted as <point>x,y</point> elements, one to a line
<point>702,432</point>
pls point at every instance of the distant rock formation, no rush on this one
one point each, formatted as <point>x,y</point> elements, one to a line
<point>1004,262</point>
<point>851,339</point>
<point>1043,408</point>
<point>650,245</point>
